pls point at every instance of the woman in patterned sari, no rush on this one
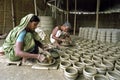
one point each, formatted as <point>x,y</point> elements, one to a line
<point>22,41</point>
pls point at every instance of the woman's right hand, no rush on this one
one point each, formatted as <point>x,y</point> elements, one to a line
<point>63,40</point>
<point>41,57</point>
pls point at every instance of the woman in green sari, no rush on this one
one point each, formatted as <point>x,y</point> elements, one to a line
<point>22,42</point>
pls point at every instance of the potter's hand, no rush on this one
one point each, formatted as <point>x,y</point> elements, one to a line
<point>63,40</point>
<point>46,53</point>
<point>41,57</point>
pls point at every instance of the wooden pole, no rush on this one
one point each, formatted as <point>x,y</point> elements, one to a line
<point>4,23</point>
<point>12,8</point>
<point>35,7</point>
<point>75,17</point>
<point>67,10</point>
<point>97,14</point>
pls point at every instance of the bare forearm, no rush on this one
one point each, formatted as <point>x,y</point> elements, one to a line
<point>26,54</point>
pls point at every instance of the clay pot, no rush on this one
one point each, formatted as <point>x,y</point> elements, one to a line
<point>88,62</point>
<point>70,52</point>
<point>64,64</point>
<point>79,66</point>
<point>70,73</point>
<point>88,55</point>
<point>100,69</point>
<point>73,59</point>
<point>108,65</point>
<point>75,55</point>
<point>96,59</point>
<point>89,72</point>
<point>118,62</point>
<point>99,55</point>
<point>117,70</point>
<point>64,57</point>
<point>99,77</point>
<point>112,75</point>
<point>110,59</point>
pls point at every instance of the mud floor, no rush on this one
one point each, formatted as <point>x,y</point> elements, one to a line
<point>27,73</point>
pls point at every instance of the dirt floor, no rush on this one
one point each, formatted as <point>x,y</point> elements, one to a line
<point>14,72</point>
<point>27,73</point>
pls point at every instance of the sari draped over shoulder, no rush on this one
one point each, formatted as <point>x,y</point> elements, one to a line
<point>9,43</point>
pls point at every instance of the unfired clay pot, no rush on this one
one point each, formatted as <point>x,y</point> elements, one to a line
<point>79,66</point>
<point>70,73</point>
<point>112,75</point>
<point>99,77</point>
<point>64,64</point>
<point>89,72</point>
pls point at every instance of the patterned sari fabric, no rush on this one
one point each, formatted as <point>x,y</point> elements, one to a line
<point>9,43</point>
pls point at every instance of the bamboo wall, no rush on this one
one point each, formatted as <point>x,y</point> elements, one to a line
<point>5,15</point>
<point>21,8</point>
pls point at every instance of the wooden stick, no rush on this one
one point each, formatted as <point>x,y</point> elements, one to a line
<point>35,7</point>
<point>4,23</point>
<point>67,10</point>
<point>12,8</point>
<point>55,8</point>
<point>97,14</point>
<point>75,17</point>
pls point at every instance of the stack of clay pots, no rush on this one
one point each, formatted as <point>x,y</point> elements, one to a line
<point>108,35</point>
<point>115,36</point>
<point>98,34</point>
<point>86,33</point>
<point>90,33</point>
<point>102,35</point>
<point>94,34</point>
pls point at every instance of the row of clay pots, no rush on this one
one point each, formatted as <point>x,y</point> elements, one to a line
<point>89,72</point>
<point>88,44</point>
<point>100,69</point>
<point>104,60</point>
<point>103,35</point>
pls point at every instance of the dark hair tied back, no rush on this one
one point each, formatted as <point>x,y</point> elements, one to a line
<point>35,19</point>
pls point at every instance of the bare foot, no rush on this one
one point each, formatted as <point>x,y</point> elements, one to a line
<point>3,36</point>
<point>1,53</point>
